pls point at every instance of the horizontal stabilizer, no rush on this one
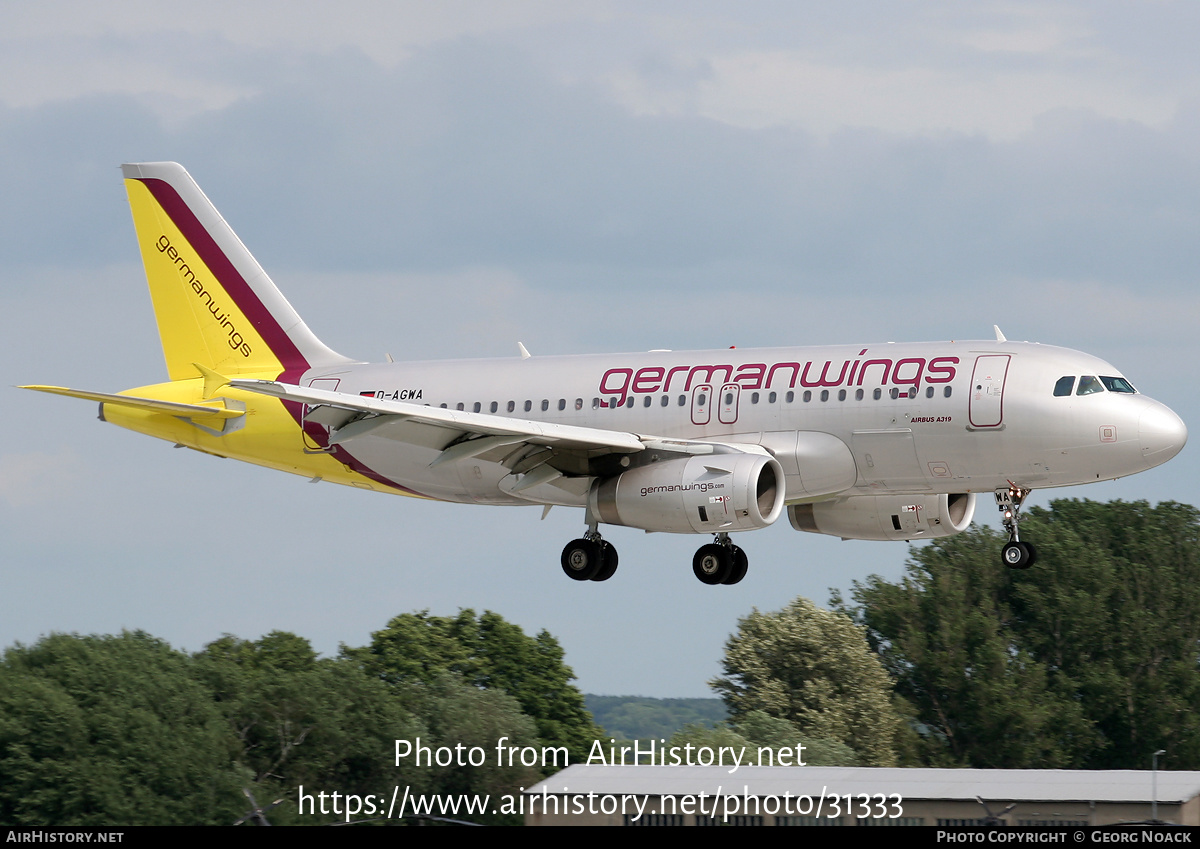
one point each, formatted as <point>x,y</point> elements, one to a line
<point>170,408</point>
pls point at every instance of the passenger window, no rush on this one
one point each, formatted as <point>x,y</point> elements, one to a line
<point>928,391</point>
<point>791,396</point>
<point>841,394</point>
<point>753,397</point>
<point>512,405</point>
<point>528,406</point>
<point>877,394</point>
<point>494,406</point>
<point>683,400</point>
<point>578,403</point>
<point>629,403</point>
<point>666,399</point>
<point>459,406</point>
<point>807,396</point>
<point>562,403</point>
<point>1064,386</point>
<point>478,406</point>
<point>946,392</point>
<point>894,393</point>
<point>824,394</point>
<point>647,402</point>
<point>545,404</point>
<point>1089,385</point>
<point>771,398</point>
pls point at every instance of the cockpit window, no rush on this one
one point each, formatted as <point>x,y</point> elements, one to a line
<point>1064,385</point>
<point>1089,385</point>
<point>1118,384</point>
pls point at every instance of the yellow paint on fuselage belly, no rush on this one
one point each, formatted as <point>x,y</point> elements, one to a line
<point>270,436</point>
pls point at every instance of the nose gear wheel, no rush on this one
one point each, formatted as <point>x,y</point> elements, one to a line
<point>1015,554</point>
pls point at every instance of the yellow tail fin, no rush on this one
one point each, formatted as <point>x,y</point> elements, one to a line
<point>215,305</point>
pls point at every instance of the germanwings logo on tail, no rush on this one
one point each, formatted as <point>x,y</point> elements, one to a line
<point>236,342</point>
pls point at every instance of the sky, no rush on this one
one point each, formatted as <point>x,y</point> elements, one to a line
<point>445,179</point>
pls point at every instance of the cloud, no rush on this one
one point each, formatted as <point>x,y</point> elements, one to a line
<point>36,477</point>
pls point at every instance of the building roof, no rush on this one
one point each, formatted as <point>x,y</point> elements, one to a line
<point>1065,785</point>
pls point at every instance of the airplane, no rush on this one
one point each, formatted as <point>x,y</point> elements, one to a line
<point>867,441</point>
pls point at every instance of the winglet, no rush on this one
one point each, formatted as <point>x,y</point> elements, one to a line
<point>212,380</point>
<point>999,336</point>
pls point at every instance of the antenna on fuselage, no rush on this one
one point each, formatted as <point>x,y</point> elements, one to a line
<point>999,336</point>
<point>524,353</point>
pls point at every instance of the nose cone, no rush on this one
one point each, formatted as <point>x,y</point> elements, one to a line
<point>1162,434</point>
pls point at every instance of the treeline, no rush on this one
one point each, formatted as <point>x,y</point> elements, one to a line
<point>105,730</point>
<point>1089,660</point>
<point>643,718</point>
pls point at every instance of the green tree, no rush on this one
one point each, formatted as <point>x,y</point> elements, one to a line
<point>1113,610</point>
<point>1087,660</point>
<point>111,730</point>
<point>813,668</point>
<point>489,652</point>
<point>301,721</point>
<point>640,717</point>
<point>758,729</point>
<point>456,713</point>
<point>945,635</point>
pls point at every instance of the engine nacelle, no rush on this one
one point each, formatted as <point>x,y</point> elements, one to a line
<point>886,517</point>
<point>704,494</point>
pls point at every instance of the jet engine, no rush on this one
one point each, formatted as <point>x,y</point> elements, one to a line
<point>712,493</point>
<point>886,517</point>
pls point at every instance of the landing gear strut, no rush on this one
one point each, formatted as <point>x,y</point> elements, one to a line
<point>720,562</point>
<point>1015,554</point>
<point>590,558</point>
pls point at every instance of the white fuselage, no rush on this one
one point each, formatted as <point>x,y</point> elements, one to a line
<point>950,417</point>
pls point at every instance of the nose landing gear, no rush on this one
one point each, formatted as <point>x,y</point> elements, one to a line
<point>1015,554</point>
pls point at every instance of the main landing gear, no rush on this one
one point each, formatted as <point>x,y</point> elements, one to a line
<point>1015,554</point>
<point>590,558</point>
<point>720,562</point>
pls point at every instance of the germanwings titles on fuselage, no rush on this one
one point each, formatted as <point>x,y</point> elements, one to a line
<point>879,441</point>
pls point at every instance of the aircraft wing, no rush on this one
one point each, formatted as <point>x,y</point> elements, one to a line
<point>465,434</point>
